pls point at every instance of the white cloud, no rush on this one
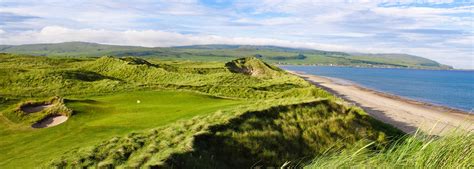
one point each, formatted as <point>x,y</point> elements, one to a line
<point>465,40</point>
<point>348,25</point>
<point>148,38</point>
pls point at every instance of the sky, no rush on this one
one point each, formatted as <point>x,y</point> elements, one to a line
<point>441,30</point>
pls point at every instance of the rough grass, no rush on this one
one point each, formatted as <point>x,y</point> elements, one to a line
<point>412,151</point>
<point>238,139</point>
<point>290,134</point>
<point>43,77</point>
<point>254,67</point>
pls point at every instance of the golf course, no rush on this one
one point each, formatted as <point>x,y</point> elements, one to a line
<point>236,84</point>
<point>131,112</point>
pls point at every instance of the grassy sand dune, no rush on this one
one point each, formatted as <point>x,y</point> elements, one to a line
<point>132,112</point>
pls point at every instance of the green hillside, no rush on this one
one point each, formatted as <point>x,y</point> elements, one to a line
<point>271,54</point>
<point>134,112</point>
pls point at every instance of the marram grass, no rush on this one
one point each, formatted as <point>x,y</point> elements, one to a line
<point>455,150</point>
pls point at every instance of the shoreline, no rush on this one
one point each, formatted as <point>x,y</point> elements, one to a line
<point>403,113</point>
<point>394,96</point>
<point>375,67</point>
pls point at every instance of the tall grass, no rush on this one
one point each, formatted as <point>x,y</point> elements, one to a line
<point>265,135</point>
<point>44,77</point>
<point>412,151</point>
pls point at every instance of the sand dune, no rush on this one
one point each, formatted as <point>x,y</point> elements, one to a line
<point>405,114</point>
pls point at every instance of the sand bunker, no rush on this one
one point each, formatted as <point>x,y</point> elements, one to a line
<point>35,108</point>
<point>50,121</point>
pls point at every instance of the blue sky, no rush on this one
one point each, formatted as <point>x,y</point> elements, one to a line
<point>441,30</point>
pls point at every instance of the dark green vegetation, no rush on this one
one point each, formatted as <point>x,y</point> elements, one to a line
<point>136,112</point>
<point>271,54</point>
<point>418,151</point>
<point>240,139</point>
<point>290,134</point>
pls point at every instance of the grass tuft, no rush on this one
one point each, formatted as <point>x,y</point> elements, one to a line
<point>412,151</point>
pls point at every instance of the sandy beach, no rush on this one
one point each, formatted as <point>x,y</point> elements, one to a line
<point>405,114</point>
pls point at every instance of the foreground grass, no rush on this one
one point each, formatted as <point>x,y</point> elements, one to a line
<point>99,118</point>
<point>413,151</point>
<point>266,134</point>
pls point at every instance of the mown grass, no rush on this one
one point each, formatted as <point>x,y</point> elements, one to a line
<point>455,150</point>
<point>99,118</point>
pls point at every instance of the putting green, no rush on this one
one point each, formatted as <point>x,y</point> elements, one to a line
<point>99,118</point>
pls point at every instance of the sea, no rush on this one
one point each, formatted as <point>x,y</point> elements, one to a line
<point>450,88</point>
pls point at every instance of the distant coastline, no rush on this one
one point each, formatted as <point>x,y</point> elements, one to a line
<point>396,97</point>
<point>405,114</point>
<point>372,66</point>
<point>450,88</point>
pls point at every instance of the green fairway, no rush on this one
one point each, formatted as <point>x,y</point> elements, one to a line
<point>100,118</point>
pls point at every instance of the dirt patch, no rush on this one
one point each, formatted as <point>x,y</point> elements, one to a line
<point>34,108</point>
<point>50,121</point>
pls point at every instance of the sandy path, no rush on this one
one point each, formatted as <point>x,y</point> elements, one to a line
<point>50,121</point>
<point>407,115</point>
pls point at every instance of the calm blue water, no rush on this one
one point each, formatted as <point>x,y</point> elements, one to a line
<point>449,88</point>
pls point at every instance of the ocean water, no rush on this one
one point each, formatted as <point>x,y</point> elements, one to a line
<point>451,88</point>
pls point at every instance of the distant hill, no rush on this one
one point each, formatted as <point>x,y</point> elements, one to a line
<point>66,48</point>
<point>219,52</point>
